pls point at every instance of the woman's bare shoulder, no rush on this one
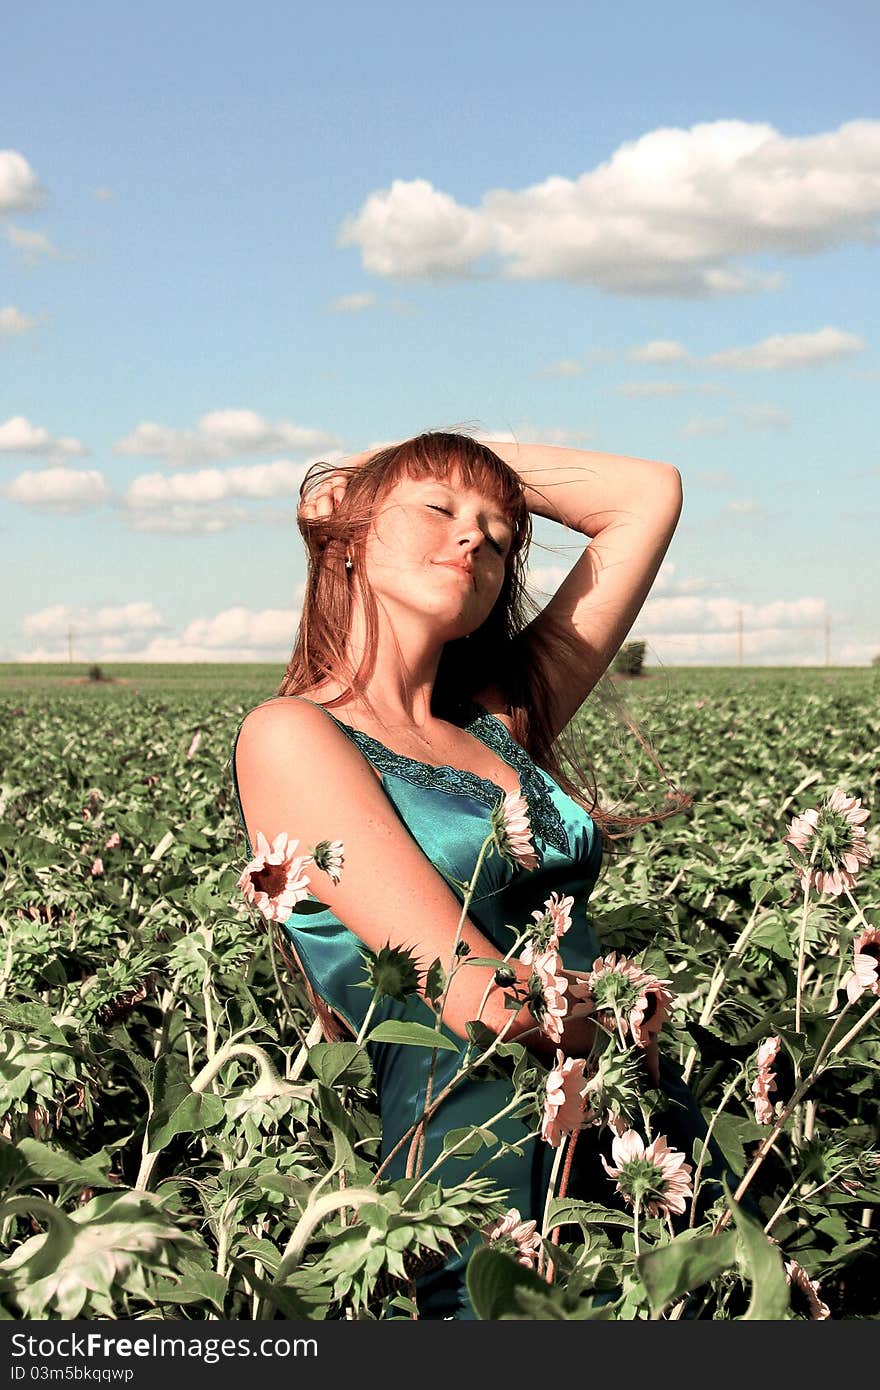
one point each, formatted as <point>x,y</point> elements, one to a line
<point>285,720</point>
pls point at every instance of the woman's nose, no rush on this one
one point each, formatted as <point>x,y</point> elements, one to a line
<point>470,537</point>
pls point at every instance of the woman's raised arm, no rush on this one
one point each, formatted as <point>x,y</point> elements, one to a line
<point>630,508</point>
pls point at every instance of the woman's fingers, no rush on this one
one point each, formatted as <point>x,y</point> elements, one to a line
<point>325,498</point>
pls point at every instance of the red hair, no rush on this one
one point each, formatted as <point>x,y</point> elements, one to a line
<point>504,646</point>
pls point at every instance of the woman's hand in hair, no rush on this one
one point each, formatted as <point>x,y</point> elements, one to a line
<point>321,497</point>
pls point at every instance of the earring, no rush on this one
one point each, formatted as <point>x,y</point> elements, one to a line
<point>349,564</point>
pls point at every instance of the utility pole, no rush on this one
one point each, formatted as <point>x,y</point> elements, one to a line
<point>739,637</point>
<point>827,638</point>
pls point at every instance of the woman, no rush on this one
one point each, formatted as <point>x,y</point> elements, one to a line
<point>417,696</point>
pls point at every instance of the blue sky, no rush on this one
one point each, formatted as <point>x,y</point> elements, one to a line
<point>234,239</point>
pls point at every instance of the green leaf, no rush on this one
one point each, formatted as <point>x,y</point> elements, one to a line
<point>686,1263</point>
<point>195,1113</point>
<point>434,981</point>
<point>474,1139</point>
<point>346,1060</point>
<point>49,1165</point>
<point>761,1262</point>
<point>412,1035</point>
<point>197,1286</point>
<point>492,1280</point>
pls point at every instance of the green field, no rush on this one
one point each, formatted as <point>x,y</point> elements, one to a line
<point>160,1088</point>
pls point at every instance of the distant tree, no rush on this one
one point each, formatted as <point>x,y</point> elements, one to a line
<point>875,660</point>
<point>96,674</point>
<point>630,659</point>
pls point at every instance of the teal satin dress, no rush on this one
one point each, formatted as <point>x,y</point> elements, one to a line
<point>447,811</point>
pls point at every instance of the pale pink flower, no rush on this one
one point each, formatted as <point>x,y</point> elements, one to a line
<point>765,1081</point>
<point>623,990</point>
<point>548,980</point>
<point>194,746</point>
<point>658,1175</point>
<point>113,841</point>
<point>550,924</point>
<point>866,958</point>
<point>565,1106</point>
<point>511,1231</point>
<point>829,844</point>
<point>513,831</point>
<point>799,1278</point>
<point>98,868</point>
<point>274,880</point>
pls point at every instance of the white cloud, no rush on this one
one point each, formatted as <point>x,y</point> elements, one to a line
<point>667,388</point>
<point>353,303</point>
<point>19,436</point>
<point>568,367</point>
<point>659,352</point>
<point>270,628</point>
<point>791,350</point>
<point>182,519</point>
<point>221,434</point>
<point>526,433</point>
<point>137,632</point>
<point>752,417</point>
<point>700,426</point>
<point>699,616</point>
<point>209,485</point>
<point>20,190</point>
<point>33,245</point>
<point>111,620</point>
<point>13,322</point>
<point>669,213</point>
<point>63,490</point>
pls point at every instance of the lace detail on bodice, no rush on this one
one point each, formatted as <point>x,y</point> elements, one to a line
<point>545,819</point>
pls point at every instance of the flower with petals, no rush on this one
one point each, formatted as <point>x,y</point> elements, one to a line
<point>547,989</point>
<point>515,1237</point>
<point>765,1081</point>
<point>626,994</point>
<point>866,960</point>
<point>274,881</point>
<point>657,1177</point>
<point>194,745</point>
<point>513,831</point>
<point>828,845</point>
<point>565,1106</point>
<point>98,868</point>
<point>328,855</point>
<point>799,1279</point>
<point>550,924</point>
<point>113,841</point>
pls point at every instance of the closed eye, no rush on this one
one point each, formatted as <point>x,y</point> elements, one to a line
<point>497,546</point>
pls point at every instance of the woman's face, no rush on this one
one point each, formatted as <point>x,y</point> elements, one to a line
<point>438,549</point>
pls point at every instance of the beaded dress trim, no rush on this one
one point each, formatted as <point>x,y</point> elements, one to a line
<point>544,816</point>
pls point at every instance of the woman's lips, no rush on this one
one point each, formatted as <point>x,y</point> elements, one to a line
<point>465,570</point>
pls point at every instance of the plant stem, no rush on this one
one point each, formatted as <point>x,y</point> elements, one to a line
<point>708,1135</point>
<point>418,1146</point>
<point>450,1086</point>
<point>448,1153</point>
<point>367,1016</point>
<point>819,1067</point>
<point>719,975</point>
<point>802,950</point>
<point>563,1188</point>
<point>557,1160</point>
